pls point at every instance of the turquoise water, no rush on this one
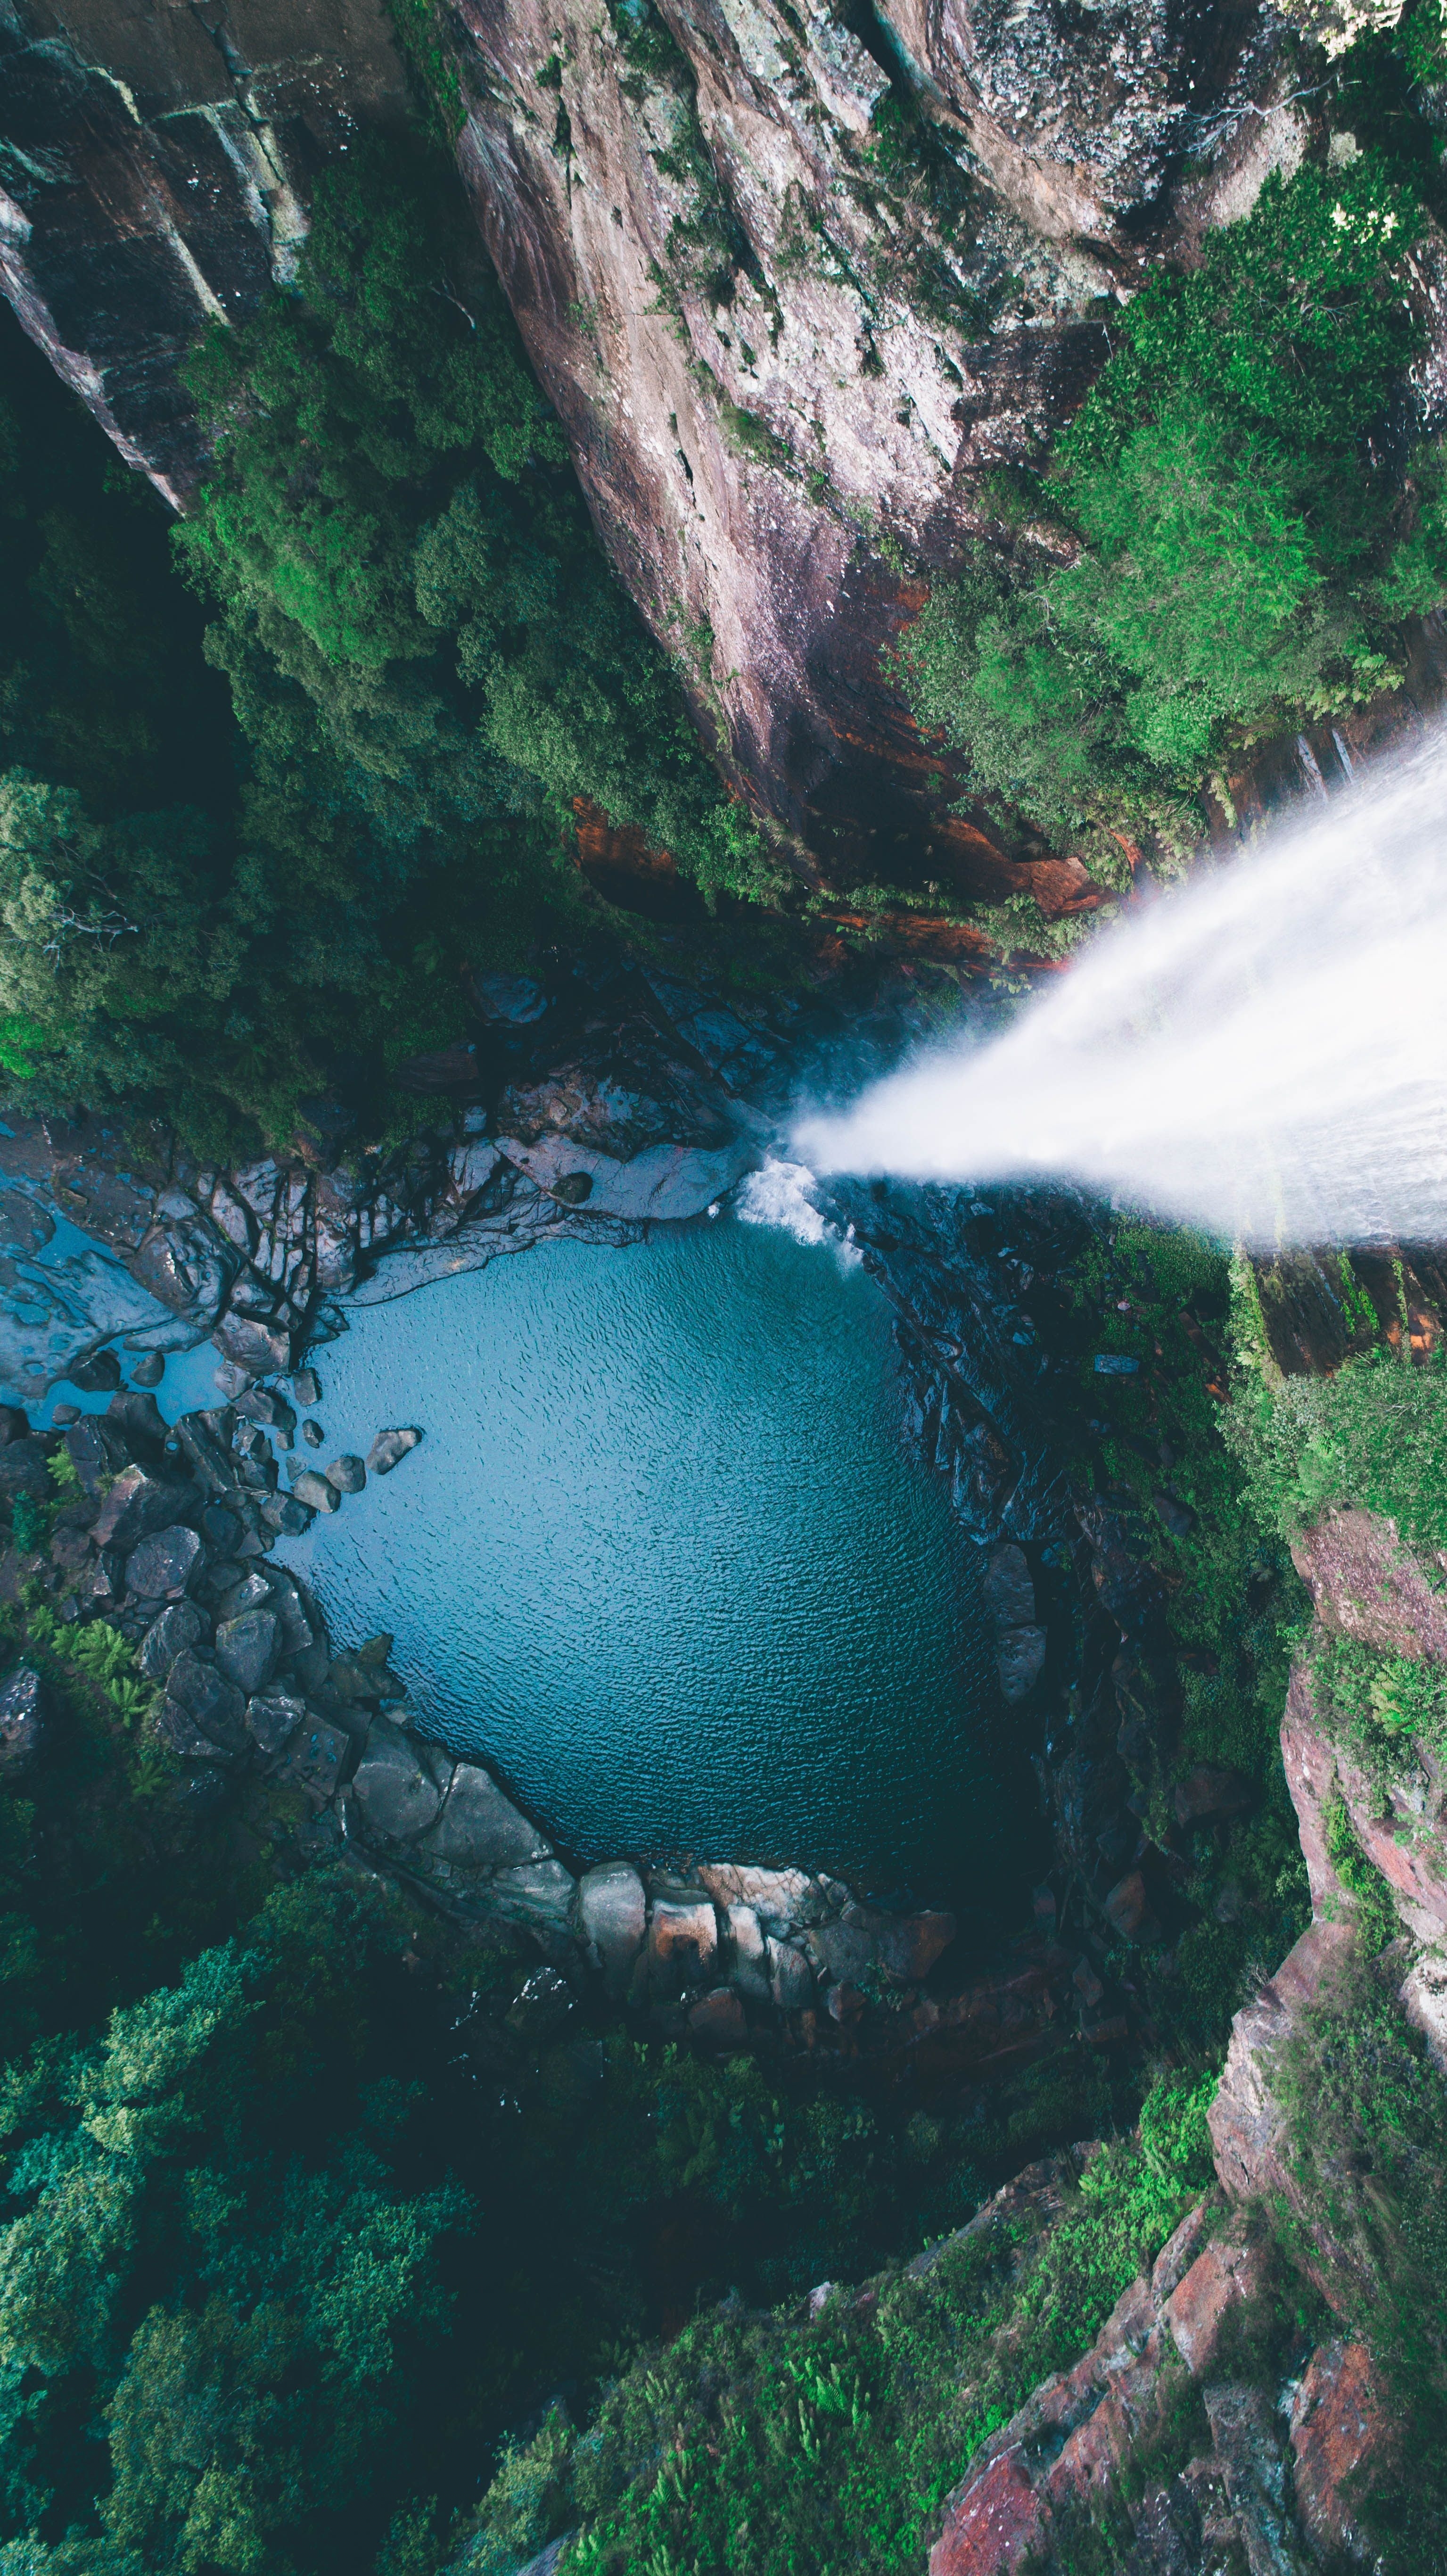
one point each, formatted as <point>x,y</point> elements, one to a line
<point>663,1561</point>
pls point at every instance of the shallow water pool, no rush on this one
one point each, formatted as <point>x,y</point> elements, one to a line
<point>663,1561</point>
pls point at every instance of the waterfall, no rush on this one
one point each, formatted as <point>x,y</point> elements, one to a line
<point>1260,1052</point>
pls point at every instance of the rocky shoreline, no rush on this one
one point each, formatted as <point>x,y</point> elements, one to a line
<point>589,1104</point>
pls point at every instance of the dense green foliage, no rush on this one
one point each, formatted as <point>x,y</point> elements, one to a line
<point>1374,1434</point>
<point>1249,536</point>
<point>223,901</point>
<point>761,2445</point>
<point>1235,1606</point>
<point>411,587</point>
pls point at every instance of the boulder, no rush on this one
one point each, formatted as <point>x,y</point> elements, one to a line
<point>1019,1661</point>
<point>508,1000</point>
<point>1125,1906</point>
<point>137,1506</point>
<point>100,1374</point>
<point>1007,1590</point>
<point>272,1719</point>
<point>390,1448</point>
<point>481,1829</point>
<point>396,1790</point>
<point>750,1972</point>
<point>539,1892</point>
<point>1210,1793</point>
<point>791,1980</point>
<point>263,1404</point>
<point>682,1945</point>
<point>845,2004</point>
<point>284,1514</point>
<point>97,1452</point>
<point>909,1946</point>
<point>612,1913</point>
<point>207,1703</point>
<point>15,1423</point>
<point>1340,2433</point>
<point>247,1649</point>
<point>306,1386</point>
<point>347,1473</point>
<point>22,1720</point>
<point>162,1566</point>
<point>314,1759</point>
<point>1225,2277</point>
<point>844,1950</point>
<point>313,1434</point>
<point>221,1529</point>
<point>180,1628</point>
<point>315,1492</point>
<point>717,2020</point>
<point>780,1897</point>
<point>24,1470</point>
<point>1365,1583</point>
<point>149,1369</point>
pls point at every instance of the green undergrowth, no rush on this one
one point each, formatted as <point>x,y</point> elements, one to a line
<point>763,2444</point>
<point>1233,1608</point>
<point>1252,528</point>
<point>1367,2122</point>
<point>227,890</point>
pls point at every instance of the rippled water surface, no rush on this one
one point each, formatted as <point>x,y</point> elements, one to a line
<point>663,1560</point>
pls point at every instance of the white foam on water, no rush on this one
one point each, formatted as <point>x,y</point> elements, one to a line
<point>1261,1052</point>
<point>777,1194</point>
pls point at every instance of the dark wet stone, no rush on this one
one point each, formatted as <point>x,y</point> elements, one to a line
<point>98,1375</point>
<point>272,1719</point>
<point>162,1566</point>
<point>221,1529</point>
<point>149,1369</point>
<point>571,1188</point>
<point>202,1700</point>
<point>306,1386</point>
<point>137,1506</point>
<point>180,1628</point>
<point>313,1434</point>
<point>246,1649</point>
<point>347,1473</point>
<point>314,1759</point>
<point>315,1492</point>
<point>395,1786</point>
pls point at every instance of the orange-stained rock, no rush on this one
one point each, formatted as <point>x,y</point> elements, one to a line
<point>1340,2429</point>
<point>995,2525</point>
<point>1225,2276</point>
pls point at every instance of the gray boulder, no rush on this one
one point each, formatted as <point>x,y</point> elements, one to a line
<point>179,1629</point>
<point>284,1514</point>
<point>394,1787</point>
<point>149,1369</point>
<point>98,1375</point>
<point>22,1720</point>
<point>613,1914</point>
<point>1007,1589</point>
<point>306,1386</point>
<point>390,1448</point>
<point>314,1759</point>
<point>315,1492</point>
<point>246,1649</point>
<point>162,1566</point>
<point>272,1720</point>
<point>23,1470</point>
<point>347,1473</point>
<point>1019,1661</point>
<point>791,1981</point>
<point>842,1950</point>
<point>682,1945</point>
<point>313,1434</point>
<point>481,1829</point>
<point>208,1702</point>
<point>540,1892</point>
<point>750,1972</point>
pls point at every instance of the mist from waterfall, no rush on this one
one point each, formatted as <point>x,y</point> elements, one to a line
<point>1261,1053</point>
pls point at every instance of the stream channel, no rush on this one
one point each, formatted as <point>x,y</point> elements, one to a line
<point>664,1562</point>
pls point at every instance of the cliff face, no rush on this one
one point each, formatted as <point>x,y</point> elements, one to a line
<point>153,178</point>
<point>795,278</point>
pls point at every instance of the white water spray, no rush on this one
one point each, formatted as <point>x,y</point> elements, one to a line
<point>1261,1053</point>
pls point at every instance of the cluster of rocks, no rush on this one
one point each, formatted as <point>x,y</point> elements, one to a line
<point>1274,2491</point>
<point>166,1538</point>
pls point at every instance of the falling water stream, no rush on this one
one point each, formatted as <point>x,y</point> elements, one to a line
<point>1261,1053</point>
